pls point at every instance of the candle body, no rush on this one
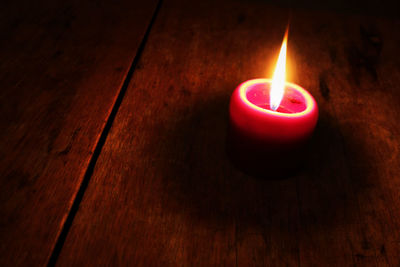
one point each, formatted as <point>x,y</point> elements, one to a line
<point>267,143</point>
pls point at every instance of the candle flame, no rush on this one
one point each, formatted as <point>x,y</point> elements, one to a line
<point>278,80</point>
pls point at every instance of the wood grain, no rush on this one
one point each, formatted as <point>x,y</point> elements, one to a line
<point>62,66</point>
<point>163,192</point>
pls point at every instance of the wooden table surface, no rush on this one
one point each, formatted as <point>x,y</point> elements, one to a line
<point>113,129</point>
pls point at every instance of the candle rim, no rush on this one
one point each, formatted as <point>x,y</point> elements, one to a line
<point>309,100</point>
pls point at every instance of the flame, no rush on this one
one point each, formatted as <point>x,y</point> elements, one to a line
<point>278,80</point>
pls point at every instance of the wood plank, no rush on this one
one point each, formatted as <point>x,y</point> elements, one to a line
<point>359,100</point>
<point>62,66</point>
<point>163,191</point>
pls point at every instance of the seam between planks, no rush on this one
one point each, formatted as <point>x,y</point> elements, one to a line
<point>99,146</point>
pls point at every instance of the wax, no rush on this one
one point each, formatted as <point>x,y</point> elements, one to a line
<point>266,142</point>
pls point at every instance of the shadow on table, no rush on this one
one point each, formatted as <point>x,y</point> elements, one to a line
<point>199,181</point>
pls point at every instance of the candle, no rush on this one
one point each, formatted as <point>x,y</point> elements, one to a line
<point>270,123</point>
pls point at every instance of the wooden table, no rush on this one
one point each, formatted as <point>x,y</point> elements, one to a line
<point>113,126</point>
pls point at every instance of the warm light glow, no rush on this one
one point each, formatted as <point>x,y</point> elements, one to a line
<point>278,80</point>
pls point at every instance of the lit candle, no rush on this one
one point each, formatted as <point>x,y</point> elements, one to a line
<point>271,121</point>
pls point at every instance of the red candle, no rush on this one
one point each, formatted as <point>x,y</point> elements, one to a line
<point>270,123</point>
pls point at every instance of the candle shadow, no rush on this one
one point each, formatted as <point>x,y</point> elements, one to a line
<point>200,183</point>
